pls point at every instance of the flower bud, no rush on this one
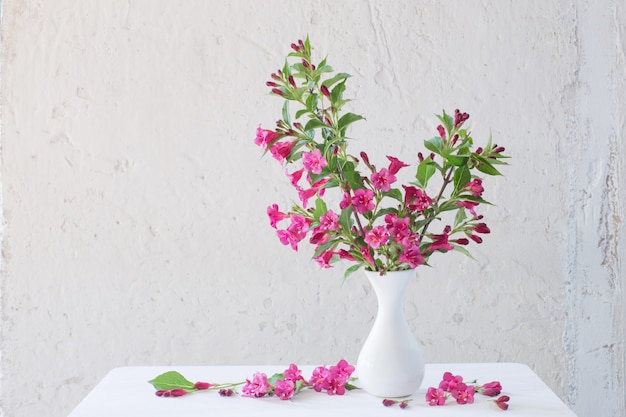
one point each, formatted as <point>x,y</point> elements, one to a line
<point>388,403</point>
<point>178,392</point>
<point>277,92</point>
<point>324,90</point>
<point>292,81</point>
<point>202,385</point>
<point>225,392</point>
<point>160,393</point>
<point>476,238</point>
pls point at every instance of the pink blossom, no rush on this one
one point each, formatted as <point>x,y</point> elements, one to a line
<point>281,150</point>
<point>295,177</point>
<point>346,201</point>
<point>491,389</point>
<point>463,394</point>
<point>284,389</point>
<point>395,165</point>
<point>435,396</point>
<point>442,132</point>
<point>449,381</point>
<point>296,231</point>
<point>367,256</point>
<point>476,187</point>
<point>344,254</point>
<point>265,137</point>
<point>398,227</point>
<point>416,199</point>
<point>382,179</point>
<point>502,402</point>
<point>293,373</point>
<point>258,387</point>
<point>412,255</point>
<point>440,241</point>
<point>469,205</point>
<point>377,236</point>
<point>481,228</point>
<point>363,200</point>
<point>275,215</point>
<point>318,378</point>
<point>329,221</point>
<point>459,117</point>
<point>305,195</point>
<point>314,161</point>
<point>324,259</point>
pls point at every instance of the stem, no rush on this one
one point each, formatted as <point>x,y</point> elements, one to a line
<point>447,180</point>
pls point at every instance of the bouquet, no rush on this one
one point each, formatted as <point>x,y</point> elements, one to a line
<point>370,220</point>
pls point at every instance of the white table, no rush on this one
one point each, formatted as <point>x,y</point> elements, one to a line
<point>125,392</point>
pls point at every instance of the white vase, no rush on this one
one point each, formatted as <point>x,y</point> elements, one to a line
<point>390,364</point>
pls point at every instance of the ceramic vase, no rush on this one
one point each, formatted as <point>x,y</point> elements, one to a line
<point>390,364</point>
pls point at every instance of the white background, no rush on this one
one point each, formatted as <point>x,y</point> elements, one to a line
<point>133,198</point>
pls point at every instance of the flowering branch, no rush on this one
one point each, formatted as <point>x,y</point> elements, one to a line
<point>376,225</point>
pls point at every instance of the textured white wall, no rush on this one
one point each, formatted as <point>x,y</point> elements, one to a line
<point>134,199</point>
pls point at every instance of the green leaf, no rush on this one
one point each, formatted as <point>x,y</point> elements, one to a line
<point>347,119</point>
<point>395,194</point>
<point>464,251</point>
<point>332,81</point>
<point>311,102</point>
<point>485,166</point>
<point>457,160</point>
<point>171,380</point>
<point>462,176</point>
<point>434,144</point>
<point>460,217</point>
<point>337,92</point>
<point>314,124</point>
<point>272,380</point>
<point>346,274</point>
<point>320,208</point>
<point>447,121</point>
<point>286,114</point>
<point>345,219</point>
<point>350,387</point>
<point>425,171</point>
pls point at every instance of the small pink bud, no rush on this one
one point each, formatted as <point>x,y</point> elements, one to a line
<point>325,91</point>
<point>305,64</point>
<point>202,385</point>
<point>420,157</point>
<point>277,91</point>
<point>160,393</point>
<point>499,149</point>
<point>476,238</point>
<point>404,404</point>
<point>388,403</point>
<point>461,241</point>
<point>225,392</point>
<point>479,150</point>
<point>481,228</point>
<point>454,139</point>
<point>295,47</point>
<point>442,131</point>
<point>292,81</point>
<point>178,392</point>
<point>271,84</point>
<point>502,402</point>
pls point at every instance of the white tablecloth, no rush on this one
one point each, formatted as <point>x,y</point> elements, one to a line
<point>125,392</point>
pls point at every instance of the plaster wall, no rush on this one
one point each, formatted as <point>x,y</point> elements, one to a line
<point>133,198</point>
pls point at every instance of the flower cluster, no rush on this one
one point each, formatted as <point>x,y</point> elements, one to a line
<point>376,224</point>
<point>334,380</point>
<point>454,386</point>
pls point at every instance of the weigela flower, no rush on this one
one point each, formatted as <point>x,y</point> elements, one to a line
<point>258,387</point>
<point>265,137</point>
<point>284,389</point>
<point>314,161</point>
<point>383,179</point>
<point>476,187</point>
<point>275,215</point>
<point>281,150</point>
<point>463,394</point>
<point>363,200</point>
<point>490,389</point>
<point>377,236</point>
<point>502,402</point>
<point>435,396</point>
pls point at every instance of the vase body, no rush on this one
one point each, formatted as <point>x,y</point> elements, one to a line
<point>390,364</point>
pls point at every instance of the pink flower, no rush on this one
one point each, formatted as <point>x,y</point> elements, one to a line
<point>344,254</point>
<point>329,221</point>
<point>324,259</point>
<point>469,205</point>
<point>346,201</point>
<point>377,236</point>
<point>463,393</point>
<point>490,389</point>
<point>284,389</point>
<point>258,387</point>
<point>295,177</point>
<point>416,199</point>
<point>281,150</point>
<point>481,228</point>
<point>449,381</point>
<point>275,215</point>
<point>440,241</point>
<point>476,187</point>
<point>398,228</point>
<point>502,402</point>
<point>318,378</point>
<point>314,161</point>
<point>435,396</point>
<point>382,179</point>
<point>363,200</point>
<point>293,373</point>
<point>412,255</point>
<point>296,231</point>
<point>265,137</point>
<point>395,165</point>
<point>366,254</point>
